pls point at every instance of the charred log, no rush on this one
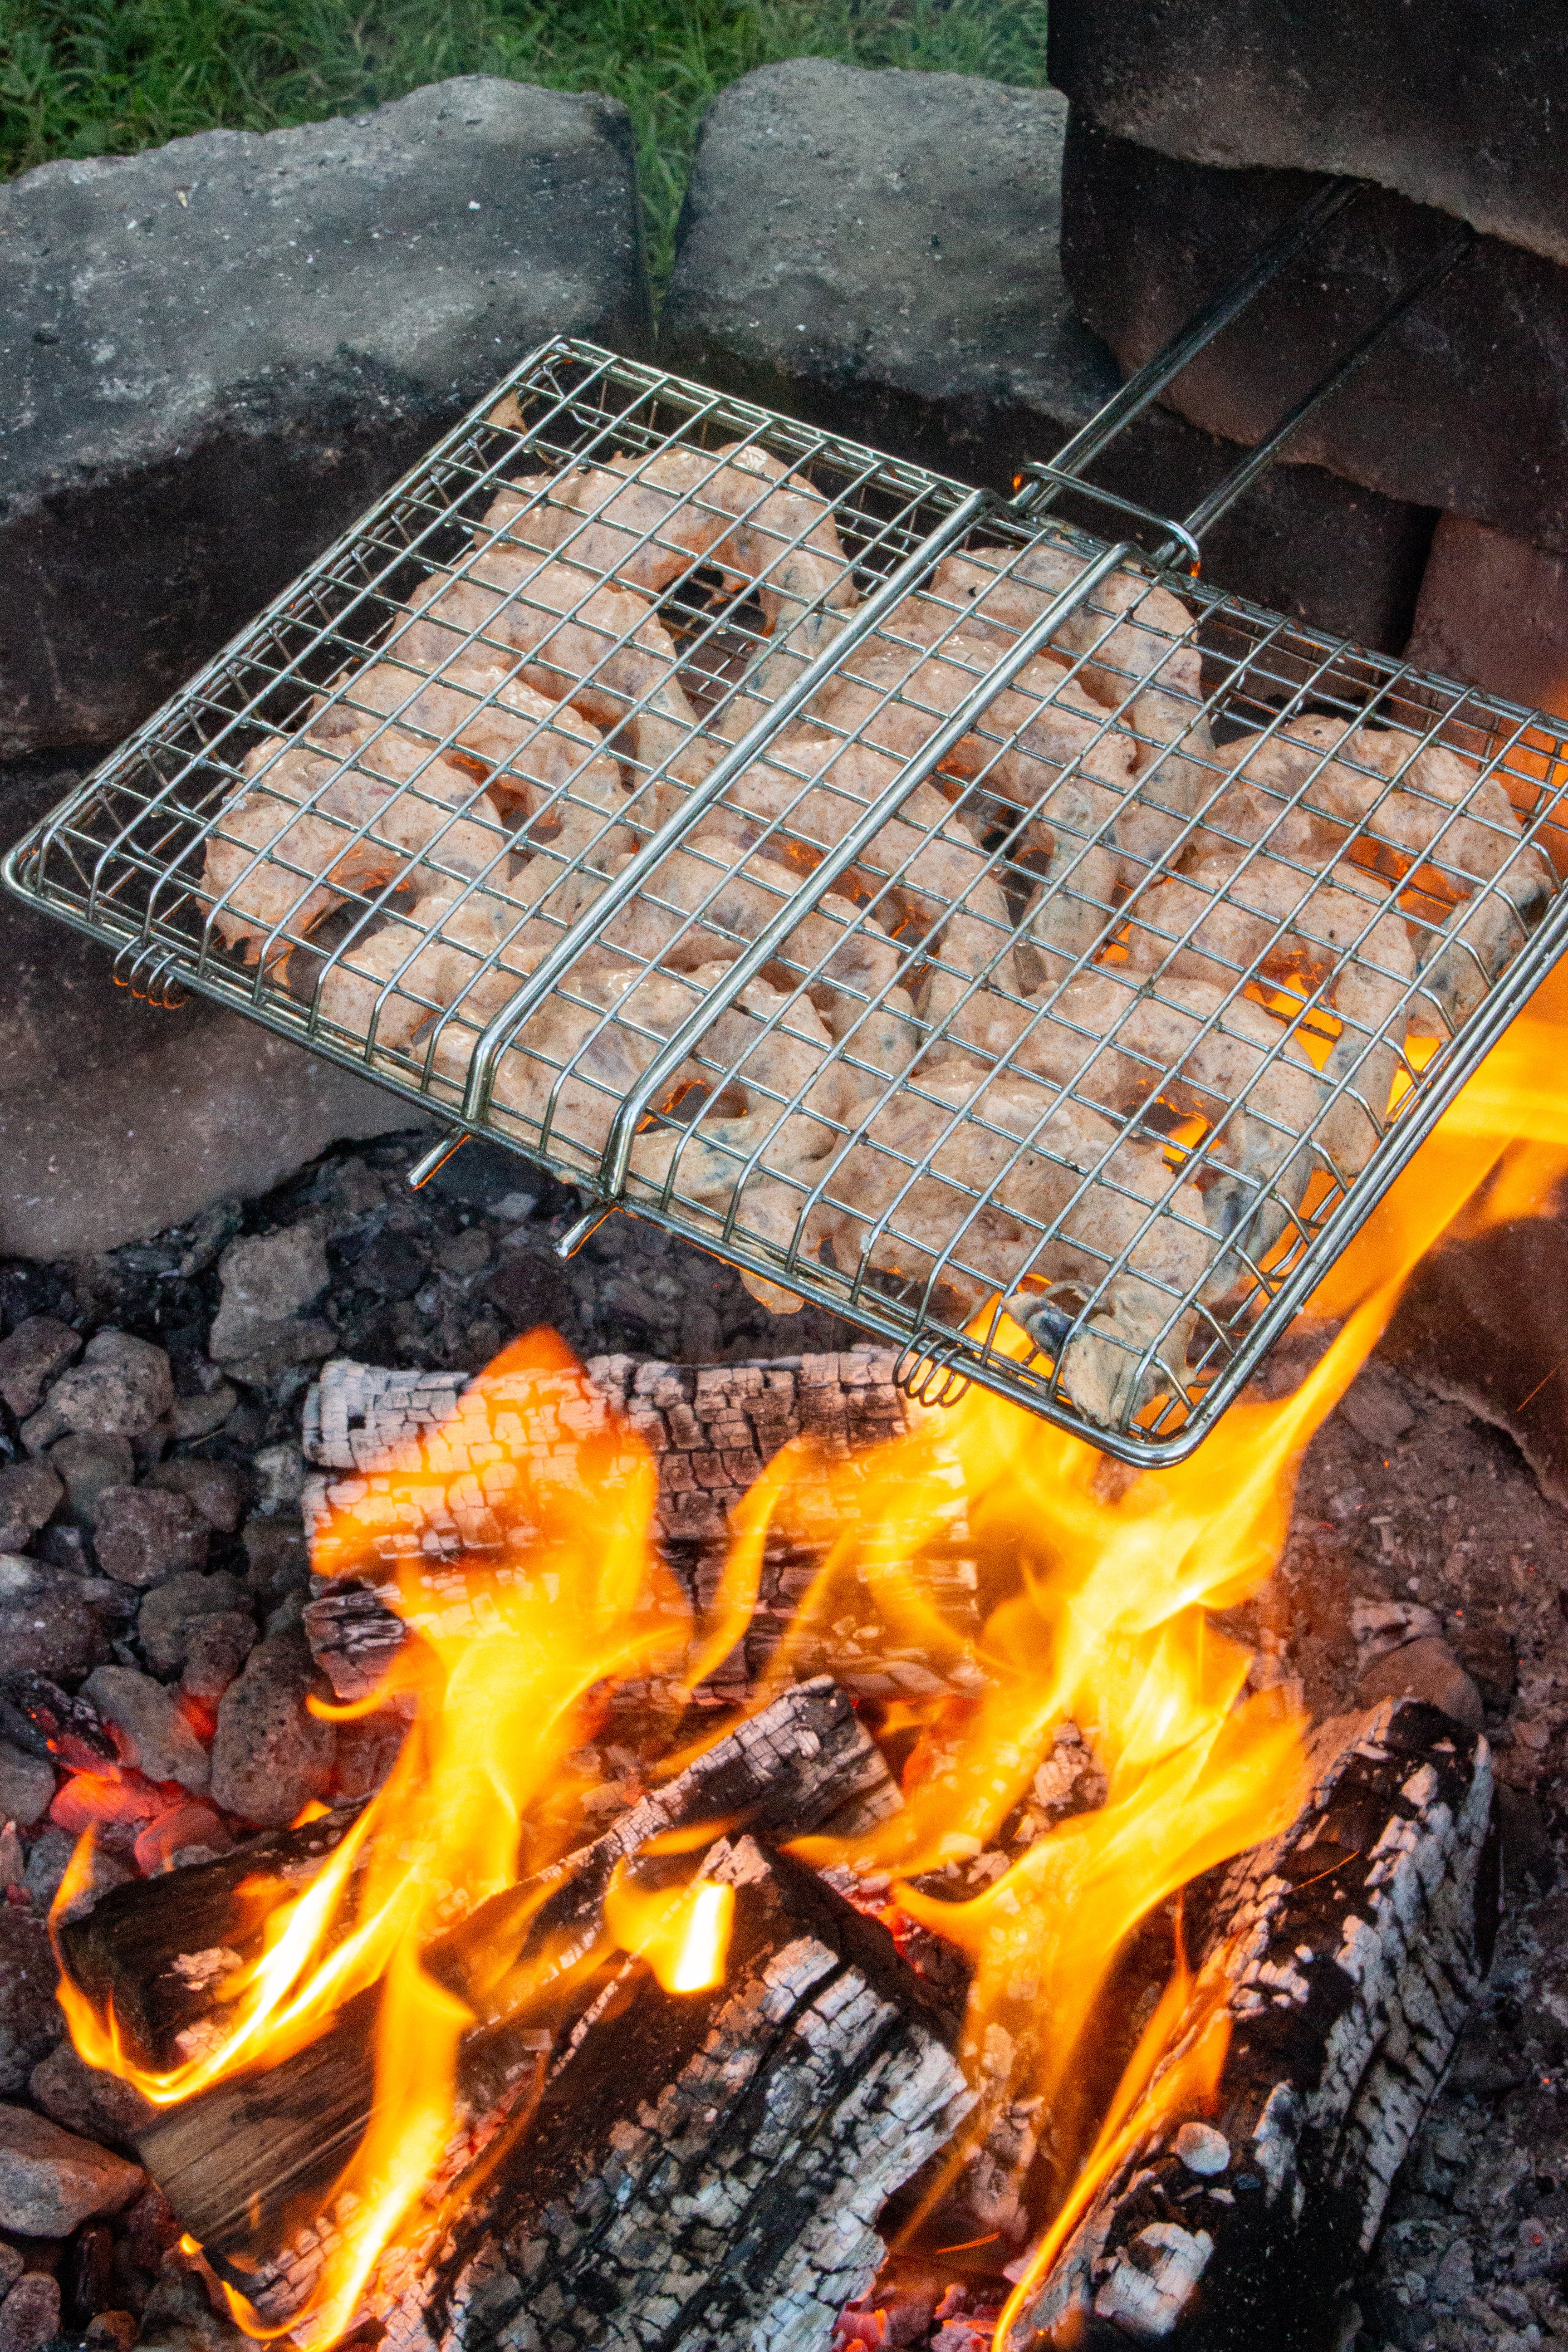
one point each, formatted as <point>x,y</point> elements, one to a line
<point>243,2161</point>
<point>711,1429</point>
<point>1347,1952</point>
<point>701,2169</point>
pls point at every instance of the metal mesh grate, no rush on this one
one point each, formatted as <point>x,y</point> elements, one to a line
<point>1043,961</point>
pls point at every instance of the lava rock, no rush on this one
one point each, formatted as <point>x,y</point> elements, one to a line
<point>30,2315</point>
<point>1446,111</point>
<point>155,1736</point>
<point>1493,612</point>
<point>48,1857</point>
<point>172,1609</point>
<point>1463,406</point>
<point>51,2180</point>
<point>122,1388</point>
<point>195,1417</point>
<point>276,1559</point>
<point>265,1281</point>
<point>270,1755</point>
<point>87,2099</point>
<point>180,2317</point>
<point>26,1786</point>
<point>143,1534</point>
<point>31,2021</point>
<point>221,350</point>
<point>279,1479</point>
<point>220,1490</point>
<point>51,1632</point>
<point>88,1467</point>
<point>29,1492</point>
<point>1425,1669</point>
<point>879,254</point>
<point>216,1649</point>
<point>30,1356</point>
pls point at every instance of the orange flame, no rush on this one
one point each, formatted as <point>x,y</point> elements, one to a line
<point>1104,1590</point>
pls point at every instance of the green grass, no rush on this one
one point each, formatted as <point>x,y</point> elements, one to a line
<point>105,76</point>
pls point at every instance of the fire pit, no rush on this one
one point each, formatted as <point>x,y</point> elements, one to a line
<point>874,1880</point>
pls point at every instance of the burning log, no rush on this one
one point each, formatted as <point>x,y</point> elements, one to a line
<point>242,2160</point>
<point>429,1440</point>
<point>1346,1954</point>
<point>708,2168</point>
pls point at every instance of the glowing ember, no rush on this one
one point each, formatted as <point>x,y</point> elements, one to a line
<point>1106,1588</point>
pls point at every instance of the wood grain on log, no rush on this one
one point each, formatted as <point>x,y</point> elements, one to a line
<point>439,1453</point>
<point>1348,1950</point>
<point>705,2170</point>
<point>241,2160</point>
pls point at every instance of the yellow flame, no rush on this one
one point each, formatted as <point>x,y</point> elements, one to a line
<point>1101,1629</point>
<point>682,1932</point>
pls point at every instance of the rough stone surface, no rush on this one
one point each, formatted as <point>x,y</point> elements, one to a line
<point>270,1756</point>
<point>89,1468</point>
<point>258,1328</point>
<point>1493,612</point>
<point>219,351</point>
<point>172,1609</point>
<point>30,1491</point>
<point>51,2180</point>
<point>144,1533</point>
<point>30,1356</point>
<point>86,2099</point>
<point>216,1649</point>
<point>153,1734</point>
<point>1425,1669</point>
<point>30,2315</point>
<point>218,1490</point>
<point>31,2021</point>
<point>1464,405</point>
<point>51,1632</point>
<point>877,253</point>
<point>1459,108</point>
<point>26,1786</point>
<point>186,1834</point>
<point>122,1388</point>
<point>87,1165</point>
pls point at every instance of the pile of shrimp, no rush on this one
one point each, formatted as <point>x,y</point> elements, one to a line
<point>965,1076</point>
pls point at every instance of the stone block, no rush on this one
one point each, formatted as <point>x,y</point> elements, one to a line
<point>1457,106</point>
<point>117,1120</point>
<point>216,354</point>
<point>1463,407</point>
<point>877,254</point>
<point>1493,610</point>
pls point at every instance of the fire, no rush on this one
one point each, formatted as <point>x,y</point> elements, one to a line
<point>1105,1587</point>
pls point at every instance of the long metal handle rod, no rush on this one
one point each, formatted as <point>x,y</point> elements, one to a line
<point>1224,494</point>
<point>590,924</point>
<point>1144,387</point>
<point>613,1167</point>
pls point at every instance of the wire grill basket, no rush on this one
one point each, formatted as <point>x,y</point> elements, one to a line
<point>1032,953</point>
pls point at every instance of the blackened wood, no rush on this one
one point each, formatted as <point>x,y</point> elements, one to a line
<point>123,1951</point>
<point>701,2170</point>
<point>241,2162</point>
<point>1349,1950</point>
<point>710,1428</point>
